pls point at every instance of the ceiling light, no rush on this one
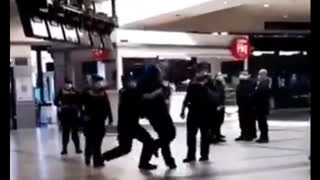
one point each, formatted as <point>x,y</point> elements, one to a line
<point>266,5</point>
<point>260,53</point>
<point>288,53</point>
<point>225,2</point>
<point>215,33</point>
<point>285,16</point>
<point>224,33</point>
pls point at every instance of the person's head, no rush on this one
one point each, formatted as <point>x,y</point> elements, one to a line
<point>98,83</point>
<point>68,84</point>
<point>244,76</point>
<point>153,72</point>
<point>202,70</point>
<point>263,74</point>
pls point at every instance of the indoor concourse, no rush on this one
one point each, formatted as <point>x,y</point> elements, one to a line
<point>35,155</point>
<point>114,70</point>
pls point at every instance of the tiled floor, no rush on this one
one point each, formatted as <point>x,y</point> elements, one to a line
<point>35,155</point>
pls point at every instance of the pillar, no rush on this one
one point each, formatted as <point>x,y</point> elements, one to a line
<point>25,101</point>
<point>119,65</point>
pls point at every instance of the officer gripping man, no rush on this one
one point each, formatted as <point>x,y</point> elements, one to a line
<point>96,110</point>
<point>156,111</point>
<point>129,127</point>
<point>67,101</point>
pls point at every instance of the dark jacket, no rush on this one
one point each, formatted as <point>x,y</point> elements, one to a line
<point>128,110</point>
<point>244,94</point>
<point>220,88</point>
<point>261,96</point>
<point>197,99</point>
<point>97,108</point>
<point>67,98</point>
<point>69,102</point>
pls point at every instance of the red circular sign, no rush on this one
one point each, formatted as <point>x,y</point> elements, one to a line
<point>241,48</point>
<point>99,54</point>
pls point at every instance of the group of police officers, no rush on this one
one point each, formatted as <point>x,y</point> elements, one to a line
<point>144,95</point>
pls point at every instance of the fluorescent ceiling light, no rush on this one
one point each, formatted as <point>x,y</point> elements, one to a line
<point>260,53</point>
<point>224,33</point>
<point>215,33</point>
<point>288,53</point>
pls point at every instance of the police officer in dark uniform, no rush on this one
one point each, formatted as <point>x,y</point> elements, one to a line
<point>129,127</point>
<point>198,117</point>
<point>219,88</point>
<point>261,98</point>
<point>244,93</point>
<point>156,111</point>
<point>67,101</point>
<point>96,110</point>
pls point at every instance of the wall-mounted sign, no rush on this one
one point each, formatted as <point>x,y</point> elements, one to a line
<point>39,27</point>
<point>24,89</point>
<point>71,33</point>
<point>99,54</point>
<point>96,40</point>
<point>241,48</point>
<point>84,37</point>
<point>55,30</point>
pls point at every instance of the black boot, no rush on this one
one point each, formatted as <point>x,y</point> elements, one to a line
<point>147,166</point>
<point>189,159</point>
<point>263,140</point>
<point>172,165</point>
<point>79,151</point>
<point>88,161</point>
<point>64,151</point>
<point>204,159</point>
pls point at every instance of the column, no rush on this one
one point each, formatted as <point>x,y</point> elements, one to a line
<point>25,103</point>
<point>119,65</point>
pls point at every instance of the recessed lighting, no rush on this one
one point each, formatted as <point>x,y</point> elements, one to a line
<point>285,16</point>
<point>266,5</point>
<point>215,33</point>
<point>224,33</point>
<point>225,2</point>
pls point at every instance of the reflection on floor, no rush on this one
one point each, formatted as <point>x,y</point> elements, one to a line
<point>35,156</point>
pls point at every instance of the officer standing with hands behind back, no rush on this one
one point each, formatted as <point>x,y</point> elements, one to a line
<point>68,105</point>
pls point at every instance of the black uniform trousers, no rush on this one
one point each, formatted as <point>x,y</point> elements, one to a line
<point>247,122</point>
<point>69,124</point>
<point>262,117</point>
<point>196,121</point>
<point>94,137</point>
<point>125,145</point>
<point>219,121</point>
<point>162,123</point>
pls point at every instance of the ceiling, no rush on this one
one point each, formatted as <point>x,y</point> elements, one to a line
<point>235,16</point>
